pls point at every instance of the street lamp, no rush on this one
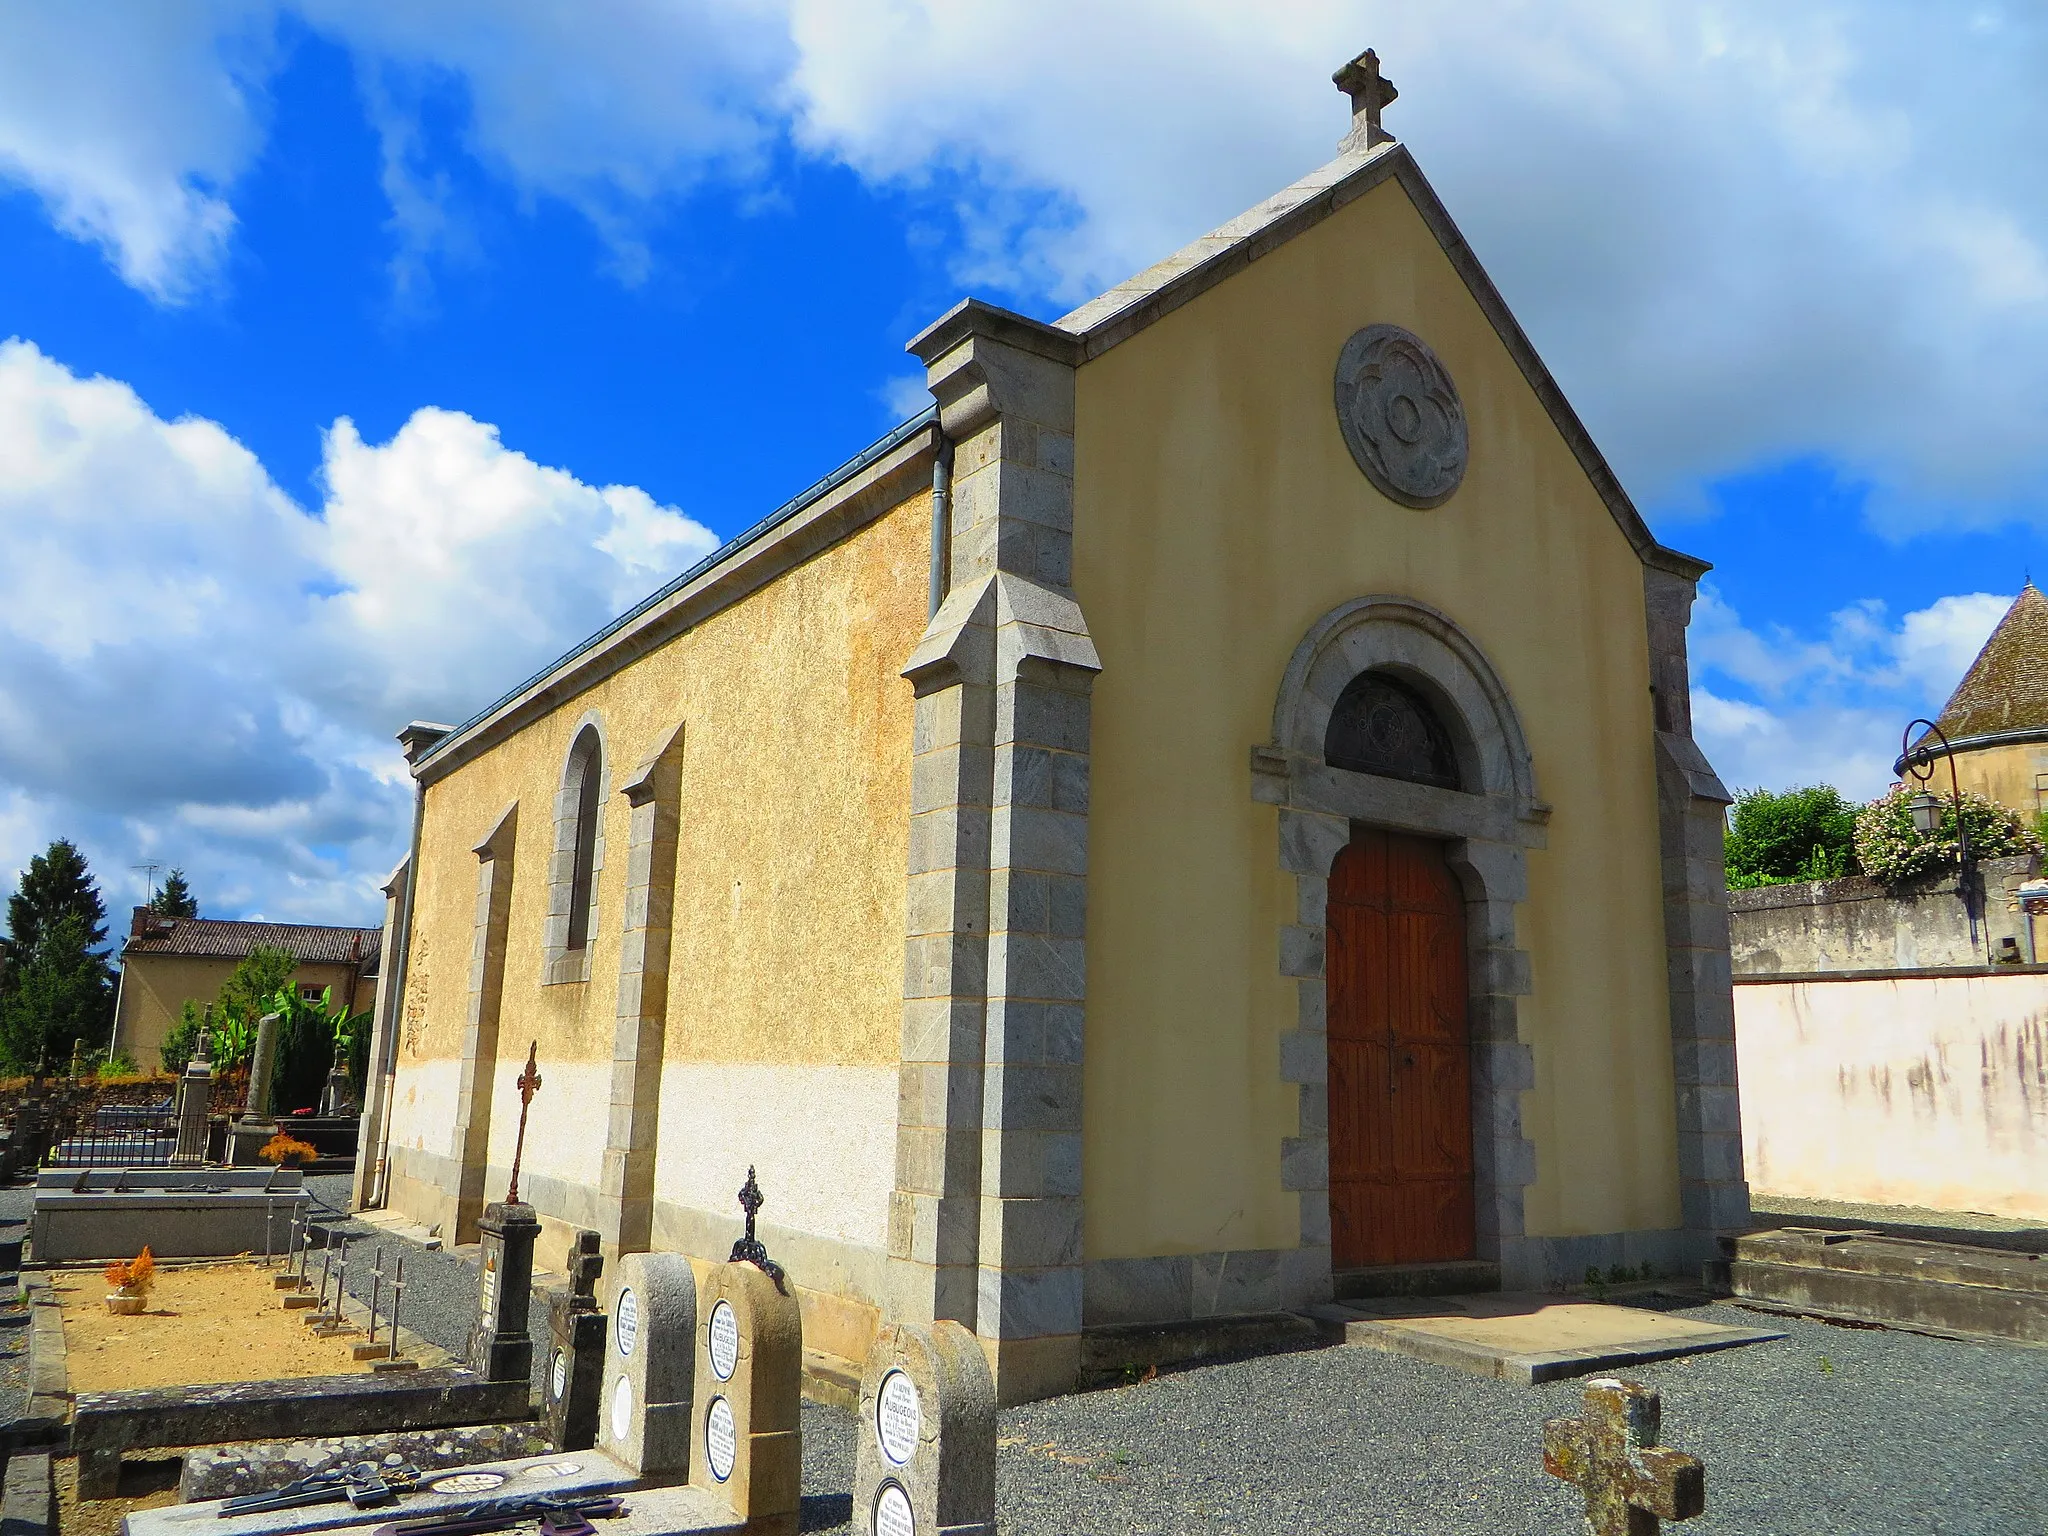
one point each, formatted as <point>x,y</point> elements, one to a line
<point>1925,808</point>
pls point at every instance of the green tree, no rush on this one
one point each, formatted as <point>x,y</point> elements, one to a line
<point>56,881</point>
<point>1778,836</point>
<point>230,1019</point>
<point>62,993</point>
<point>176,898</point>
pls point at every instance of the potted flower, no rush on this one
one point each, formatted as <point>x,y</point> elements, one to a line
<point>131,1281</point>
<point>287,1151</point>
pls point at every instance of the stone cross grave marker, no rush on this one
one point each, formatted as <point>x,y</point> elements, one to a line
<point>927,1459</point>
<point>576,1358</point>
<point>645,1401</point>
<point>747,1446</point>
<point>195,1102</point>
<point>1631,1483</point>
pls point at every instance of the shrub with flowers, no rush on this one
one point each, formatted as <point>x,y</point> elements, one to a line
<point>1891,849</point>
<point>133,1277</point>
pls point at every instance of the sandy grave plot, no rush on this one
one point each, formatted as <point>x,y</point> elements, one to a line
<point>213,1322</point>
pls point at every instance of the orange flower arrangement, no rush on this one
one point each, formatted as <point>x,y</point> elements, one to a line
<point>134,1276</point>
<point>285,1147</point>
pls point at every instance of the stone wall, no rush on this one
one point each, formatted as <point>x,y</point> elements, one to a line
<point>1856,924</point>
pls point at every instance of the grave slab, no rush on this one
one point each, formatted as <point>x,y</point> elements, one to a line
<point>666,1511</point>
<point>1526,1336</point>
<point>1952,1289</point>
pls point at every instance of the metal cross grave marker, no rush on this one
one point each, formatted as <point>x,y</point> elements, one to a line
<point>749,1249</point>
<point>1610,1451</point>
<point>528,1085</point>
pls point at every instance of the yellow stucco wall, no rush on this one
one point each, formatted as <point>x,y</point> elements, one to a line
<point>2007,774</point>
<point>1218,515</point>
<point>155,989</point>
<point>788,937</point>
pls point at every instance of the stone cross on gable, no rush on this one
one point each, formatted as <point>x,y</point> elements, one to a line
<point>1631,1483</point>
<point>528,1085</point>
<point>1369,91</point>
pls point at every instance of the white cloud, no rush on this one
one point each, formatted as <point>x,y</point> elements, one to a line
<point>194,668</point>
<point>1828,711</point>
<point>1736,231</point>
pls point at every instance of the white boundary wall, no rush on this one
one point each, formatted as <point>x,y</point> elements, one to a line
<point>1903,1089</point>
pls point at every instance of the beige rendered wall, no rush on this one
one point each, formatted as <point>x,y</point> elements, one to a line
<point>2006,774</point>
<point>155,989</point>
<point>1218,515</point>
<point>1912,1090</point>
<point>785,984</point>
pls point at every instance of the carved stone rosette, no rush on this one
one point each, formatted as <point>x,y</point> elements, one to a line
<point>1401,416</point>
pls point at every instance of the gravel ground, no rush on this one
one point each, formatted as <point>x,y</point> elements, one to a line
<point>1831,1430</point>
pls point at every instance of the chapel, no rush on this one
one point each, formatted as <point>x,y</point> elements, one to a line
<point>1203,819</point>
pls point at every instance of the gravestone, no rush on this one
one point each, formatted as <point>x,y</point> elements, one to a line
<point>576,1354</point>
<point>195,1103</point>
<point>746,1438</point>
<point>1610,1451</point>
<point>644,1402</point>
<point>927,1459</point>
<point>338,1098</point>
<point>501,1349</point>
<point>254,1127</point>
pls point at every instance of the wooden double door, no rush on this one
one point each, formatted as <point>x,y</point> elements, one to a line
<point>1400,1056</point>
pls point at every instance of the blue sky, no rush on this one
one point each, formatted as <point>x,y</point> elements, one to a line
<point>356,358</point>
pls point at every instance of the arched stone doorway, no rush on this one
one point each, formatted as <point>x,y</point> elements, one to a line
<point>1393,732</point>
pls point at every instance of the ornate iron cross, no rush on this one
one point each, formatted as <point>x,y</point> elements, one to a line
<point>748,1249</point>
<point>1611,1451</point>
<point>528,1085</point>
<point>1369,91</point>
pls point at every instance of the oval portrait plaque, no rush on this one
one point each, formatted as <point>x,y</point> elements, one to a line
<point>722,1338</point>
<point>558,1374</point>
<point>892,1512</point>
<point>468,1482</point>
<point>1401,416</point>
<point>626,1327</point>
<point>721,1444</point>
<point>622,1408</point>
<point>898,1418</point>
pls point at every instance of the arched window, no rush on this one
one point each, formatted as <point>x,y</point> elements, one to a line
<point>1382,725</point>
<point>586,783</point>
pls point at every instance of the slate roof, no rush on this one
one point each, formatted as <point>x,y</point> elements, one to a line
<point>2006,688</point>
<point>218,938</point>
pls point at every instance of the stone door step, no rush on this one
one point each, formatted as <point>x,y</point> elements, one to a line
<point>1951,1289</point>
<point>1445,1277</point>
<point>1525,1337</point>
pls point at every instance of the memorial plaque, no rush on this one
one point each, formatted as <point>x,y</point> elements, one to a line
<point>628,1321</point>
<point>721,1441</point>
<point>723,1341</point>
<point>648,1387</point>
<point>558,1373</point>
<point>893,1515</point>
<point>500,1348</point>
<point>622,1408</point>
<point>927,1454</point>
<point>897,1417</point>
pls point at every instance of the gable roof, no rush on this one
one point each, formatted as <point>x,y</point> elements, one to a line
<point>2006,688</point>
<point>737,566</point>
<point>219,939</point>
<point>1163,287</point>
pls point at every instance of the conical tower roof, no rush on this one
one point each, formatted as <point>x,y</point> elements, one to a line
<point>2006,688</point>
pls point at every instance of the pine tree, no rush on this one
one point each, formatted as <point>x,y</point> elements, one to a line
<point>176,898</point>
<point>55,882</point>
<point>61,992</point>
